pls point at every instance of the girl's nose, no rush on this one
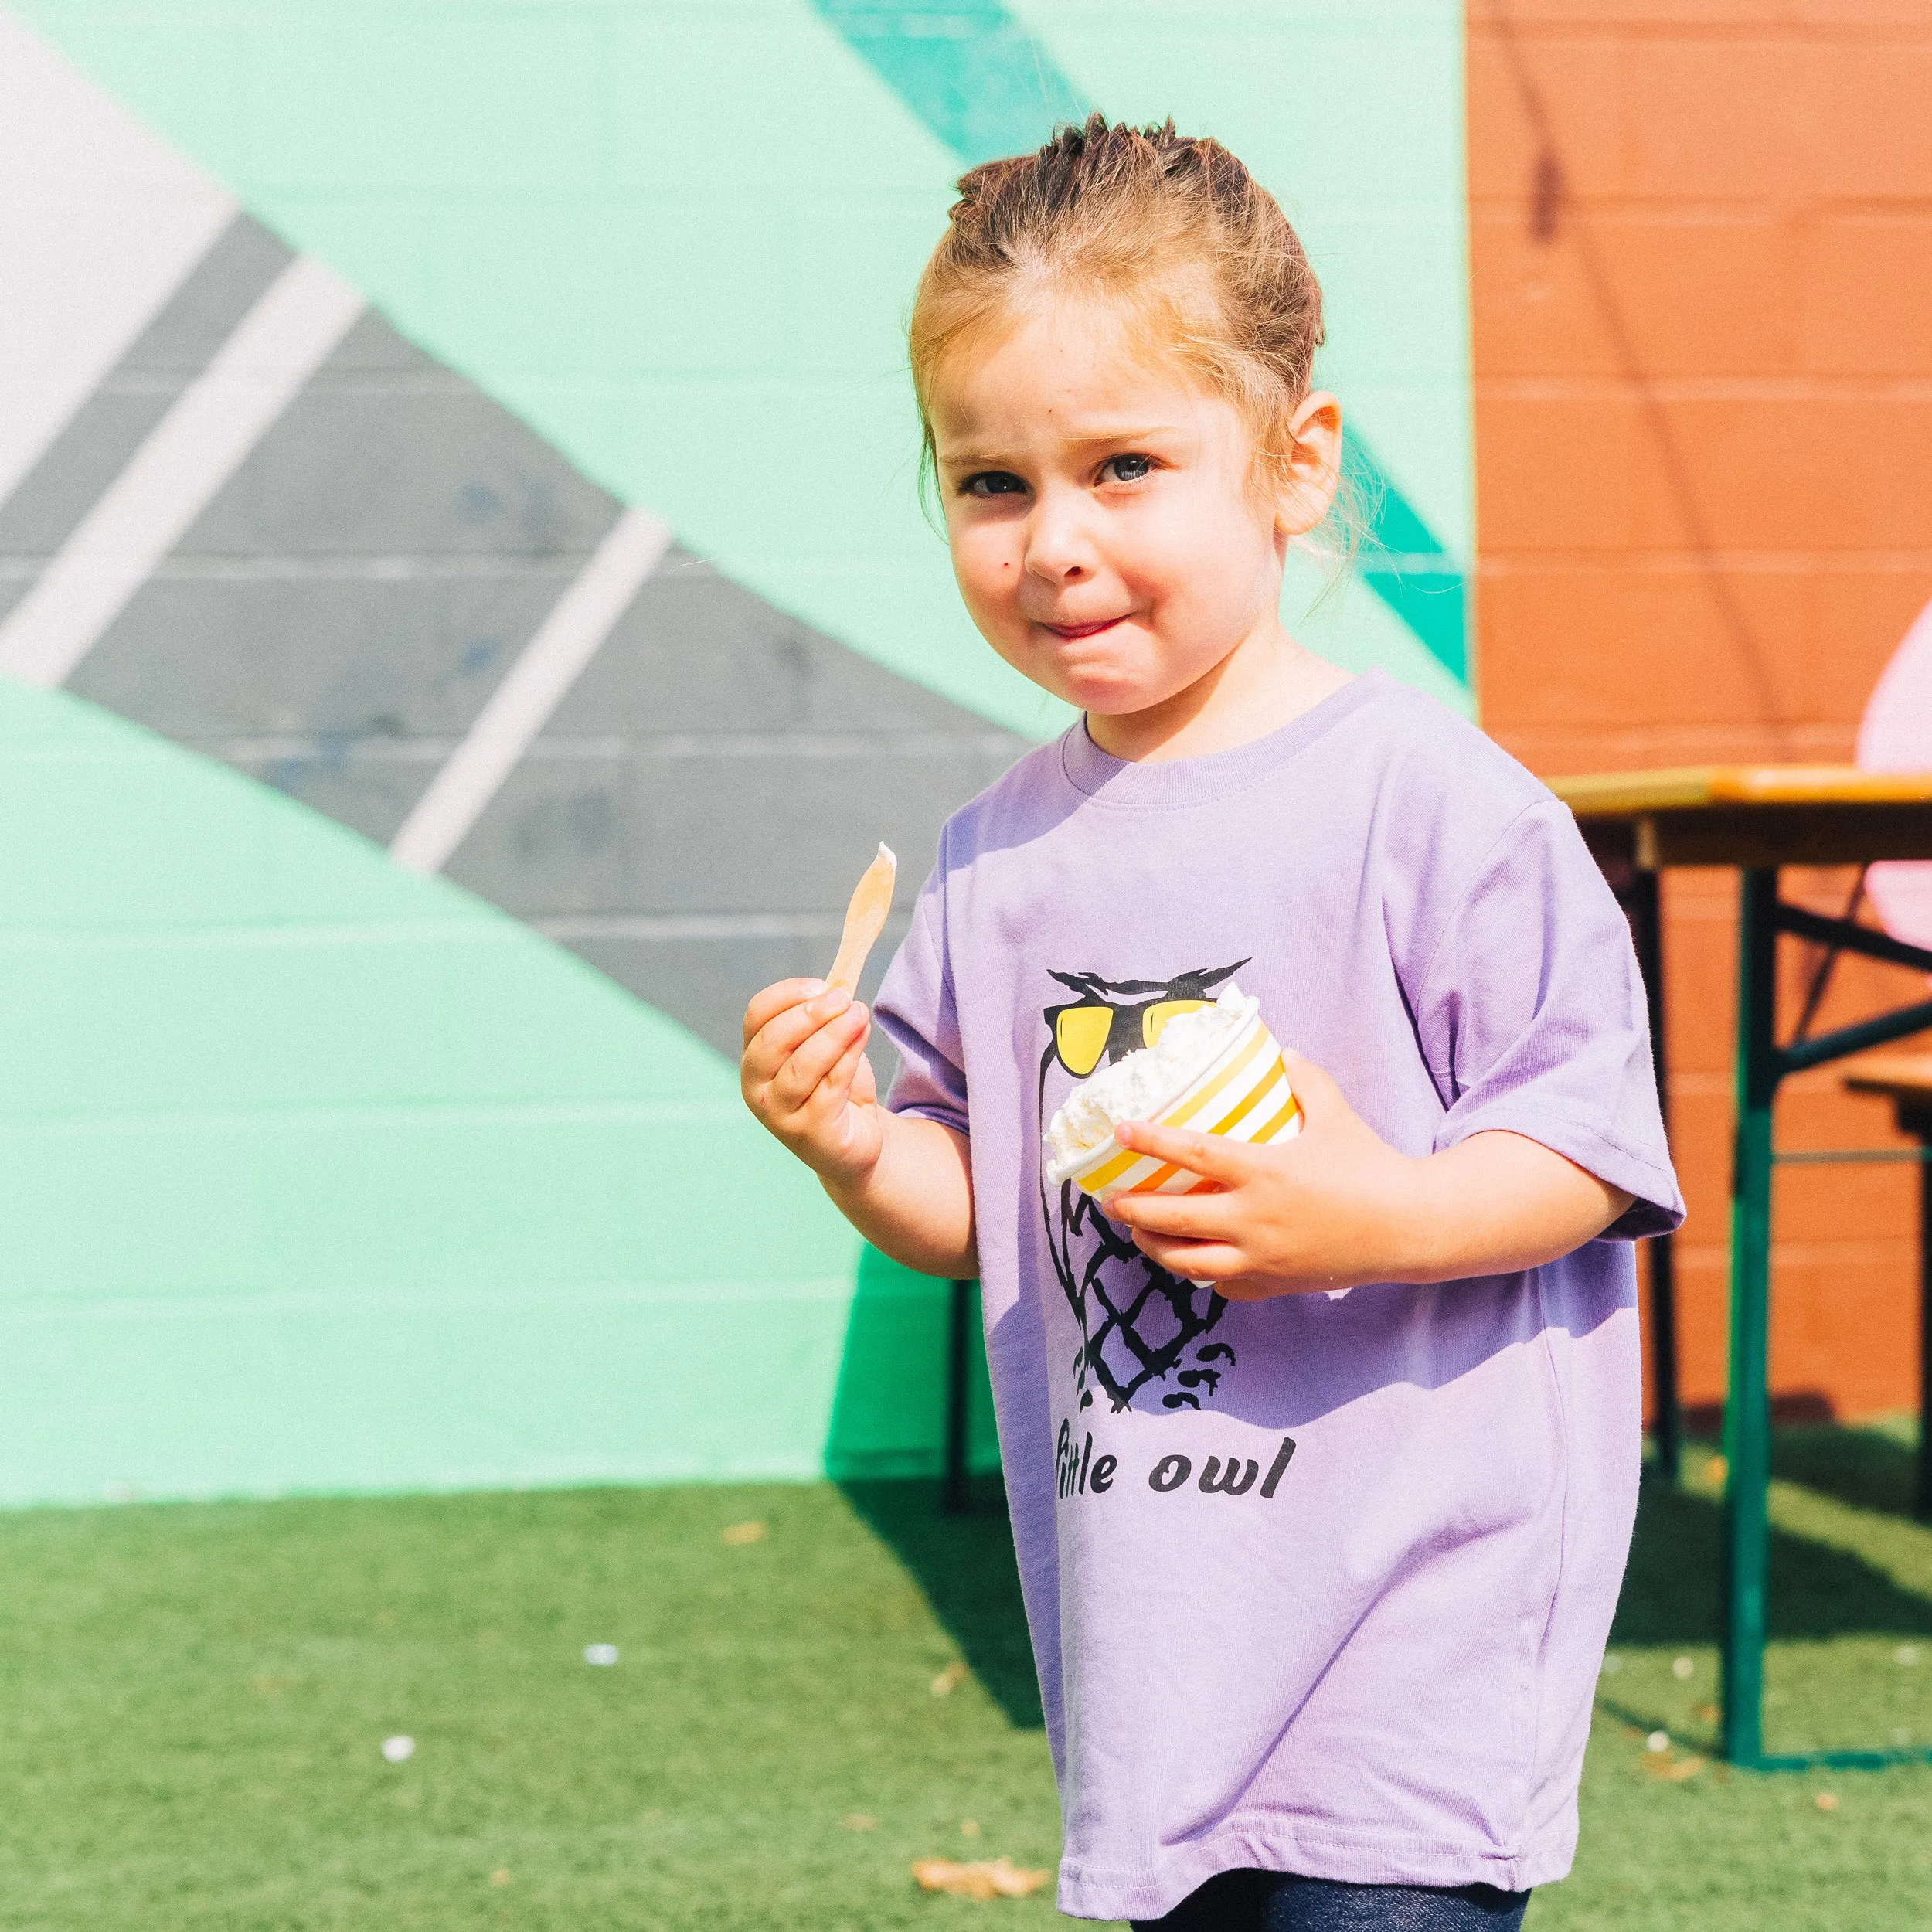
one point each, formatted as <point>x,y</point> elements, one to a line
<point>1059,547</point>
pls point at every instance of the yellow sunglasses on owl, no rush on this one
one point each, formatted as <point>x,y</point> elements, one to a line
<point>1080,1033</point>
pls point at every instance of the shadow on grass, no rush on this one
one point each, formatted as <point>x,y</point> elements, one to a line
<point>965,1566</point>
<point>886,1446</point>
<point>1868,1468</point>
<point>1670,1589</point>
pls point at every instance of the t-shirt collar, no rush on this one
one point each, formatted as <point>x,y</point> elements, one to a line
<point>1185,781</point>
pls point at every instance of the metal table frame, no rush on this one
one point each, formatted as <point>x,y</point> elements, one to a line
<point>1758,820</point>
<point>1762,1064</point>
<point>1642,902</point>
<point>956,1492</point>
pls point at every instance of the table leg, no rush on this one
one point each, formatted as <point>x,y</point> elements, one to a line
<point>957,1500</point>
<point>1747,1412</point>
<point>1922,1501</point>
<point>1643,900</point>
<point>1667,1425</point>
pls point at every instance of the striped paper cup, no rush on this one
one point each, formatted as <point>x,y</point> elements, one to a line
<point>1242,1092</point>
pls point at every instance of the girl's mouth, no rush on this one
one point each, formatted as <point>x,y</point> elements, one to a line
<point>1069,633</point>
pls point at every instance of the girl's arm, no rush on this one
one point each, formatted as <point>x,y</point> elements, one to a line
<point>903,1181</point>
<point>1337,1206</point>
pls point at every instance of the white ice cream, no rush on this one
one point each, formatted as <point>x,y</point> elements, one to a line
<point>1138,1086</point>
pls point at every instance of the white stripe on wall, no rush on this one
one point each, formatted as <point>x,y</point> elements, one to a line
<point>535,686</point>
<point>100,222</point>
<point>172,478</point>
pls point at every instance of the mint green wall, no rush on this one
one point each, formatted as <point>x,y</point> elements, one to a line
<point>317,1175</point>
<point>678,238</point>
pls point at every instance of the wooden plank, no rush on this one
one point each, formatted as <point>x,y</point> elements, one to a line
<point>1604,795</point>
<point>1624,793</point>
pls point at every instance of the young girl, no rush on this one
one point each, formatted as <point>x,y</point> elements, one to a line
<point>1354,1693</point>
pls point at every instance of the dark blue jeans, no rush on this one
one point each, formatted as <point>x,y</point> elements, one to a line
<point>1273,1902</point>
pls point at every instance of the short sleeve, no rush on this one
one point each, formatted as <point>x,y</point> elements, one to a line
<point>1532,1018</point>
<point>916,1012</point>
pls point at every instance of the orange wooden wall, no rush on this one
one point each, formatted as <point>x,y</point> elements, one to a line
<point>1701,279</point>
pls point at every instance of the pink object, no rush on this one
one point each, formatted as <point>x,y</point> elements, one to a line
<point>1896,736</point>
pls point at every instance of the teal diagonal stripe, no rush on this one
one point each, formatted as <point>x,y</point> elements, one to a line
<point>986,87</point>
<point>1405,564</point>
<point>969,70</point>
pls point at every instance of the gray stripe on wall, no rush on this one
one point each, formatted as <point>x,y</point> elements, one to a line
<point>337,618</point>
<point>693,818</point>
<point>192,453</point>
<point>49,502</point>
<point>530,691</point>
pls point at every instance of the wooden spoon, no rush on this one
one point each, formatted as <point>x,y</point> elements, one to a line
<point>871,900</point>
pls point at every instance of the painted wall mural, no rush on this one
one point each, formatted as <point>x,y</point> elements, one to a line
<point>464,617</point>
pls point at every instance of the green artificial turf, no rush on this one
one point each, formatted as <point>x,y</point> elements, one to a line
<point>195,1697</point>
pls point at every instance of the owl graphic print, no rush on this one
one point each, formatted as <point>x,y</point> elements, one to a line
<point>1141,1328</point>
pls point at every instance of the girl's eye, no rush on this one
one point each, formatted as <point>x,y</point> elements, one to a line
<point>993,483</point>
<point>1127,469</point>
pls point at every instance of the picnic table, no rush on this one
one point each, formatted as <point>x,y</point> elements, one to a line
<point>1757,818</point>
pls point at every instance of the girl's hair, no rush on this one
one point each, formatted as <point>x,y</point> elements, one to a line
<point>1201,258</point>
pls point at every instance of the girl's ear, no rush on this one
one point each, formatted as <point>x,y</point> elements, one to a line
<point>1313,471</point>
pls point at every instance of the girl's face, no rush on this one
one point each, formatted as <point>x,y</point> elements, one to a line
<point>1106,529</point>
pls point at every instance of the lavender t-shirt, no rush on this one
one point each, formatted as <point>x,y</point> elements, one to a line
<point>1321,1584</point>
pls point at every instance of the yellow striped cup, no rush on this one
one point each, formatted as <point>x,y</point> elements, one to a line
<point>1243,1093</point>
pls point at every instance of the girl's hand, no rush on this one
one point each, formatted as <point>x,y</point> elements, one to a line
<point>1337,1206</point>
<point>1326,1209</point>
<point>805,1075</point>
